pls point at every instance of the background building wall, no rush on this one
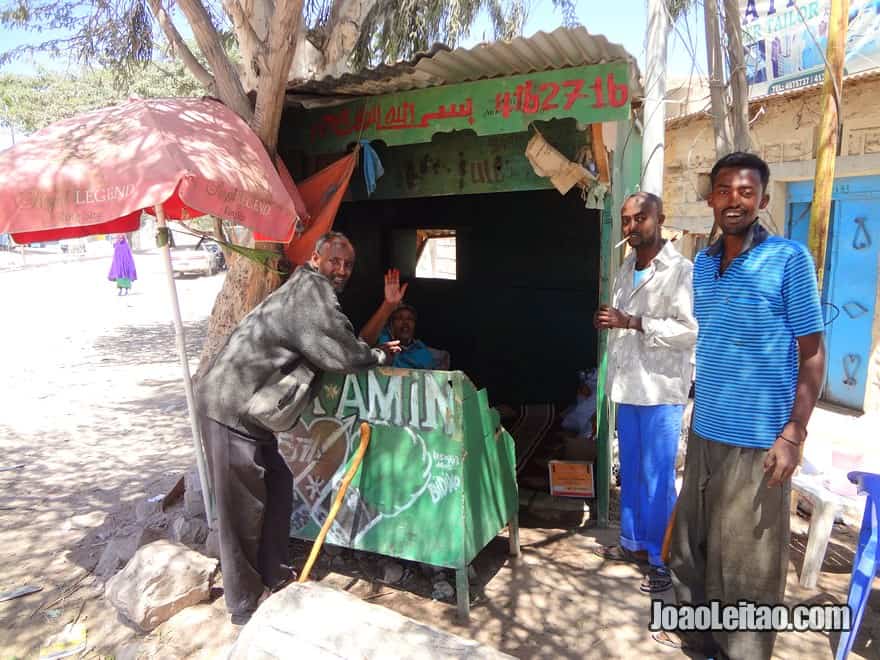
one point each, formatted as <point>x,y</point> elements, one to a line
<point>784,134</point>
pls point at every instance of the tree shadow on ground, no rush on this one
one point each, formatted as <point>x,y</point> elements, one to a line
<point>148,343</point>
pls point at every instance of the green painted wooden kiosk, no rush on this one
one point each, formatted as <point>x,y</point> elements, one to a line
<point>531,265</point>
<point>436,484</point>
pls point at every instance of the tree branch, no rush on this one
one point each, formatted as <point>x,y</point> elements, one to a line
<point>229,87</point>
<point>284,28</point>
<point>253,47</point>
<point>179,46</point>
<point>342,30</point>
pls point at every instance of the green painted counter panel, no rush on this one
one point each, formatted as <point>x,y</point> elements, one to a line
<point>437,483</point>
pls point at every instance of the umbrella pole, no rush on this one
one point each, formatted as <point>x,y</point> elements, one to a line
<point>198,446</point>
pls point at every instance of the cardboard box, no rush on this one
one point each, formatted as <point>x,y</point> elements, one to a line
<point>546,161</point>
<point>571,479</point>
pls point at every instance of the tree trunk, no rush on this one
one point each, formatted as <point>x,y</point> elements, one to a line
<point>739,89</point>
<point>653,108</point>
<point>718,106</point>
<point>180,48</point>
<point>272,84</point>
<point>343,29</point>
<point>280,39</point>
<point>248,283</point>
<point>251,19</point>
<point>341,34</point>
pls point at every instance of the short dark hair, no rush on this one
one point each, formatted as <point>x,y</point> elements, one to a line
<point>655,200</point>
<point>330,237</point>
<point>742,160</point>
<point>404,307</point>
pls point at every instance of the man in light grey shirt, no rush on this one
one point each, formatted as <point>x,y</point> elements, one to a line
<point>650,357</point>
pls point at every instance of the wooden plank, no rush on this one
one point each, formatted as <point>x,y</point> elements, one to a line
<point>600,154</point>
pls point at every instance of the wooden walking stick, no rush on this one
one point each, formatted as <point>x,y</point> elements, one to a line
<point>667,536</point>
<point>337,503</point>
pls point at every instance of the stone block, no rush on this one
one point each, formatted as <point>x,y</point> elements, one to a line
<point>212,544</point>
<point>148,509</point>
<point>189,531</point>
<point>123,547</point>
<point>193,500</point>
<point>161,579</point>
<point>314,621</point>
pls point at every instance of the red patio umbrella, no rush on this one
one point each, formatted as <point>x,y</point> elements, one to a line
<point>175,158</point>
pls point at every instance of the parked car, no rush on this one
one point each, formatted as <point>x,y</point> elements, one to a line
<point>205,258</point>
<point>217,250</point>
<point>73,246</point>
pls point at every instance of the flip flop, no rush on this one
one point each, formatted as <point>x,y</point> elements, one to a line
<point>288,576</point>
<point>664,639</point>
<point>658,579</point>
<point>678,642</point>
<point>619,553</point>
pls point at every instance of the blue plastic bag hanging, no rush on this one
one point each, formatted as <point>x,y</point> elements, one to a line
<point>372,166</point>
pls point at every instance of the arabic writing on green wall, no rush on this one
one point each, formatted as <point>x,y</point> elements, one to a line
<point>461,164</point>
<point>590,94</point>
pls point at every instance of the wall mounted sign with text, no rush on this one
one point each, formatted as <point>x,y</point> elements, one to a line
<point>590,94</point>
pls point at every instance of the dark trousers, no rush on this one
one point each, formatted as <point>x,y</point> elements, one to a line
<point>253,492</point>
<point>730,539</point>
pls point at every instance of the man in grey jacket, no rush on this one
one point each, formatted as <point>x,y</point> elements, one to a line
<point>300,323</point>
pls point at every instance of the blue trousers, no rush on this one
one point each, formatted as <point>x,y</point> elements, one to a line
<point>648,437</point>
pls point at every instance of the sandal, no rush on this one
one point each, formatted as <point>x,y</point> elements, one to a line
<point>677,641</point>
<point>658,579</point>
<point>664,639</point>
<point>288,575</point>
<point>619,553</point>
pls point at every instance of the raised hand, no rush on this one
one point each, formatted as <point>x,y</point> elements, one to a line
<point>394,293</point>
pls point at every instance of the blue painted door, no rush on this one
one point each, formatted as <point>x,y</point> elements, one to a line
<point>852,292</point>
<point>850,280</point>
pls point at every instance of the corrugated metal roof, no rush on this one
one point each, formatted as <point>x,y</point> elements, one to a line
<point>871,74</point>
<point>564,47</point>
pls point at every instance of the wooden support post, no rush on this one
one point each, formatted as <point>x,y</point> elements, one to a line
<point>829,136</point>
<point>600,155</point>
<point>513,529</point>
<point>462,594</point>
<point>627,169</point>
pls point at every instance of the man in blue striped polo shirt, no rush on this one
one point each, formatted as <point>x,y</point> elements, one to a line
<point>760,363</point>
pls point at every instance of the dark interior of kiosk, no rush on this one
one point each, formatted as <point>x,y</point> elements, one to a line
<point>518,317</point>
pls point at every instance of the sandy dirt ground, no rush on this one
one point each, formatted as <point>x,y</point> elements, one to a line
<point>93,410</point>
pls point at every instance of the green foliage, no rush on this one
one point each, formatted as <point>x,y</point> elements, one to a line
<point>95,32</point>
<point>121,35</point>
<point>678,8</point>
<point>398,29</point>
<point>29,103</point>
